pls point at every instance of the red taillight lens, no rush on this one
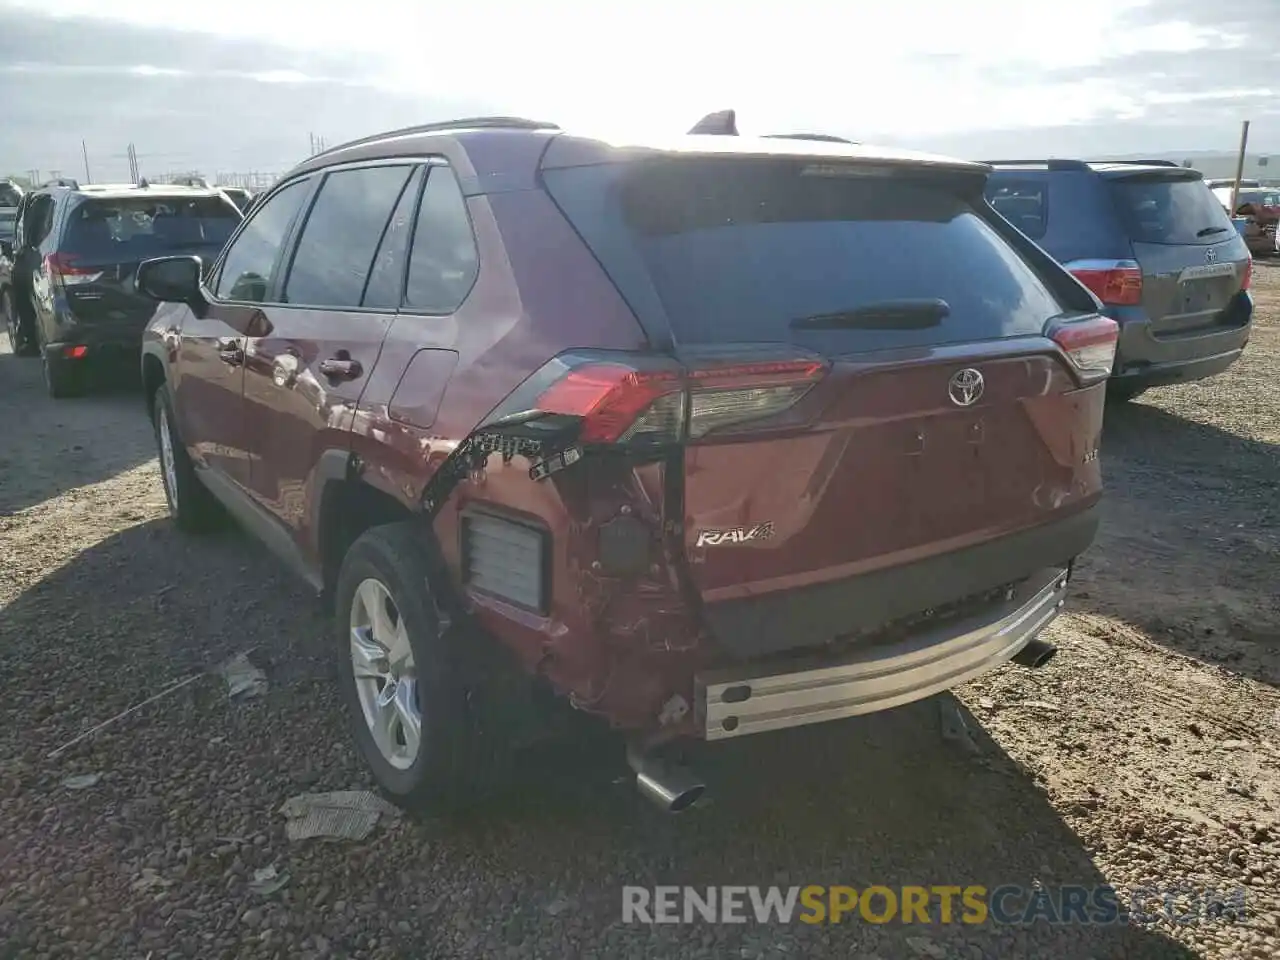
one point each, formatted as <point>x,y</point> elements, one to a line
<point>1117,283</point>
<point>620,403</point>
<point>62,266</point>
<point>615,401</point>
<point>1247,279</point>
<point>75,353</point>
<point>1089,344</point>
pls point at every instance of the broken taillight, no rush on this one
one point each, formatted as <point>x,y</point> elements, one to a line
<point>1089,344</point>
<point>641,399</point>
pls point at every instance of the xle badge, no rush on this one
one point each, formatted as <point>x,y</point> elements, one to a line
<point>719,538</point>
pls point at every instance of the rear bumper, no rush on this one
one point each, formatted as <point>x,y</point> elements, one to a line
<point>116,339</point>
<point>738,701</point>
<point>757,627</point>
<point>1151,359</point>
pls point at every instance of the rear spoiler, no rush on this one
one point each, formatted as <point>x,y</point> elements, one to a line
<point>724,123</point>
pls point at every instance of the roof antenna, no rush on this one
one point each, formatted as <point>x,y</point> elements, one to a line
<point>721,123</point>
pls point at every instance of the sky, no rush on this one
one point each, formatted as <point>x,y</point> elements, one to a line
<point>242,85</point>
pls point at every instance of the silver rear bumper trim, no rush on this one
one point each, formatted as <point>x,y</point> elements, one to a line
<point>741,700</point>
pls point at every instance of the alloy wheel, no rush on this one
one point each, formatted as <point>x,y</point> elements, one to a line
<point>385,674</point>
<point>168,464</point>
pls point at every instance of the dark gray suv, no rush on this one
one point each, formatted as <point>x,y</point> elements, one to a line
<point>70,298</point>
<point>1154,245</point>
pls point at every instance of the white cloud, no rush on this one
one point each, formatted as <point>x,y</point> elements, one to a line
<point>900,69</point>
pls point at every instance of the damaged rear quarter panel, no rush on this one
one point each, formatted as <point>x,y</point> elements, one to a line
<point>617,648</point>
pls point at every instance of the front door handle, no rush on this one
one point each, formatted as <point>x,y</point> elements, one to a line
<point>339,368</point>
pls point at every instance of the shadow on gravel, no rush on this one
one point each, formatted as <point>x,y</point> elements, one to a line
<point>48,447</point>
<point>191,787</point>
<point>1190,548</point>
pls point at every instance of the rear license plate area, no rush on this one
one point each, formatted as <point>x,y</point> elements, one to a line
<point>1197,295</point>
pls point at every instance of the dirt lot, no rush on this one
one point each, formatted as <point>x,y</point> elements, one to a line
<point>1147,752</point>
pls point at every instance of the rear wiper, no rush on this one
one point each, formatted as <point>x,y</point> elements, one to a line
<point>1208,231</point>
<point>885,315</point>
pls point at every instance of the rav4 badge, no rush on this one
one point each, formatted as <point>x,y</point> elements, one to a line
<point>719,538</point>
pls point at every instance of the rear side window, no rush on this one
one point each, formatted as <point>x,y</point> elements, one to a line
<point>1158,209</point>
<point>738,250</point>
<point>1022,203</point>
<point>342,232</point>
<point>386,276</point>
<point>443,261</point>
<point>134,228</point>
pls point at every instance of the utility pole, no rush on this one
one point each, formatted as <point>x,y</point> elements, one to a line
<point>1235,187</point>
<point>88,178</point>
<point>133,163</point>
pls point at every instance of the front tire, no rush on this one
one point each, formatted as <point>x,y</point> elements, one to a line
<point>62,378</point>
<point>405,684</point>
<point>193,508</point>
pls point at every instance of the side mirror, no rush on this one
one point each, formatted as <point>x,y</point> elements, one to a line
<point>6,249</point>
<point>171,279</point>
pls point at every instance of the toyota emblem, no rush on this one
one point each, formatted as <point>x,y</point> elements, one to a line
<point>1210,255</point>
<point>966,387</point>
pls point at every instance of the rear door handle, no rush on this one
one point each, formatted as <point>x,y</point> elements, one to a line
<point>340,369</point>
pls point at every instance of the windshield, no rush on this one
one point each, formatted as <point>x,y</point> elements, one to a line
<point>133,228</point>
<point>1157,209</point>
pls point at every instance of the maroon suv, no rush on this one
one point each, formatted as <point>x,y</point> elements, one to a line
<point>712,436</point>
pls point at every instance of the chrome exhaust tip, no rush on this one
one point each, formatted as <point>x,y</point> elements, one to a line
<point>1036,653</point>
<point>670,787</point>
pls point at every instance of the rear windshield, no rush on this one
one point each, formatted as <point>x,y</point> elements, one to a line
<point>133,227</point>
<point>1262,198</point>
<point>736,250</point>
<point>1156,209</point>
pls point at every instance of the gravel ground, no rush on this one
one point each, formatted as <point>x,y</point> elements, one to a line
<point>1146,753</point>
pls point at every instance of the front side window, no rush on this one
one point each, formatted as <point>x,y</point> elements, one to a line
<point>251,259</point>
<point>342,233</point>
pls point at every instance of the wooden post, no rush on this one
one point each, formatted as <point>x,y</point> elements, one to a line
<point>1235,187</point>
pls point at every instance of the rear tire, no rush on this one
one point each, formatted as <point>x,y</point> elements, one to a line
<point>1118,391</point>
<point>20,339</point>
<point>193,508</point>
<point>62,379</point>
<point>426,750</point>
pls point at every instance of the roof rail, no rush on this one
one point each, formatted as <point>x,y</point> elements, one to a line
<point>466,123</point>
<point>66,182</point>
<point>823,137</point>
<point>1053,163</point>
<point>1142,163</point>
